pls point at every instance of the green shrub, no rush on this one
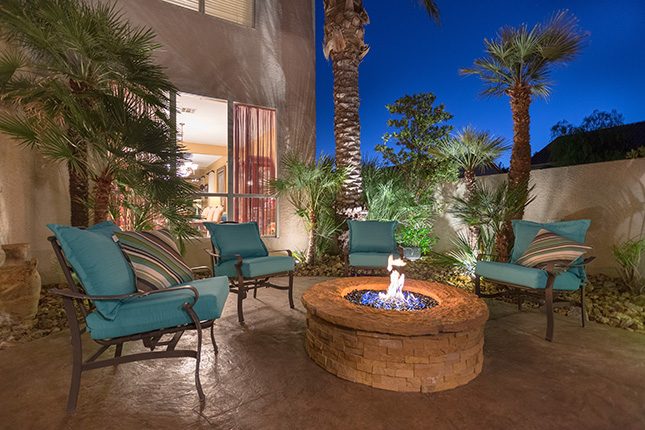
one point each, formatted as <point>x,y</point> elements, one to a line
<point>628,255</point>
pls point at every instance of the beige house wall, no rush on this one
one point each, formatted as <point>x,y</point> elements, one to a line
<point>610,194</point>
<point>272,65</point>
<point>33,193</point>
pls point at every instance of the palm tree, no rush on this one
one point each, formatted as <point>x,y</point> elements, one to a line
<point>518,63</point>
<point>311,188</point>
<point>344,43</point>
<point>471,149</point>
<point>61,60</point>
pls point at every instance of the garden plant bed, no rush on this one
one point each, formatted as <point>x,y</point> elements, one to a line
<point>608,300</point>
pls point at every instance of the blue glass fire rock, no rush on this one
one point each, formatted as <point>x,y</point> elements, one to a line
<point>411,301</point>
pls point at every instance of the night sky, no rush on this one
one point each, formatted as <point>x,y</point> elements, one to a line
<point>410,54</point>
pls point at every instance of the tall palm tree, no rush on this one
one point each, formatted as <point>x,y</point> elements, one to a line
<point>60,60</point>
<point>518,63</point>
<point>471,149</point>
<point>344,43</point>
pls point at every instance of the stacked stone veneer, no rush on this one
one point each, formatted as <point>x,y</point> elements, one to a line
<point>430,350</point>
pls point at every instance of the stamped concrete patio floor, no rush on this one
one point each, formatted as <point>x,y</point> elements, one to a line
<point>591,378</point>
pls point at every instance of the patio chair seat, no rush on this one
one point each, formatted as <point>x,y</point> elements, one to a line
<point>369,259</point>
<point>525,276</point>
<point>143,314</point>
<point>259,266</point>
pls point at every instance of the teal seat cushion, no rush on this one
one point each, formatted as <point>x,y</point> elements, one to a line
<point>259,266</point>
<point>369,259</point>
<point>98,263</point>
<point>162,310</point>
<point>237,239</point>
<point>525,276</point>
<point>372,236</point>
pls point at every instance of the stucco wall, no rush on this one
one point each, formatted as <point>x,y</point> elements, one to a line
<point>33,192</point>
<point>611,194</point>
<point>270,65</point>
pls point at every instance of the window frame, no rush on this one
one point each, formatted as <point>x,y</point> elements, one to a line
<point>202,11</point>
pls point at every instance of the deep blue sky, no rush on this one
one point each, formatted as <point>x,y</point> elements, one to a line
<point>410,54</point>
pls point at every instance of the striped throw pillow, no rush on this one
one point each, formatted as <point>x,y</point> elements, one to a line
<point>548,247</point>
<point>155,258</point>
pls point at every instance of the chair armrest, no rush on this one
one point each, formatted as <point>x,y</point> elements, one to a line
<point>79,296</point>
<point>288,251</point>
<point>211,253</point>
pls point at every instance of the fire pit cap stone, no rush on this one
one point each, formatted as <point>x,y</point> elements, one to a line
<point>457,310</point>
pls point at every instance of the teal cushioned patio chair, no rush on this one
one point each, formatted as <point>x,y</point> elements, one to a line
<point>370,245</point>
<point>239,253</point>
<point>540,283</point>
<point>102,287</point>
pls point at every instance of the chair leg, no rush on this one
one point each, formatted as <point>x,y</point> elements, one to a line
<point>241,295</point>
<point>291,290</point>
<point>583,308</point>
<point>548,296</point>
<point>255,291</point>
<point>118,351</point>
<point>478,287</point>
<point>213,339</point>
<point>77,362</point>
<point>198,326</point>
<point>519,300</point>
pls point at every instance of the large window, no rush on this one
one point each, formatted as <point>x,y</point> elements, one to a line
<point>238,11</point>
<point>231,161</point>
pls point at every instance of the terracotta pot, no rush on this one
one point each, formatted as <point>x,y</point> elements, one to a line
<point>16,253</point>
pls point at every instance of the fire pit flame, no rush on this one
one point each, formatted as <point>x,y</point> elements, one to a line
<point>394,298</point>
<point>397,281</point>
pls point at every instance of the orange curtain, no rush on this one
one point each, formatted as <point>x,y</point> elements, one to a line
<point>254,157</point>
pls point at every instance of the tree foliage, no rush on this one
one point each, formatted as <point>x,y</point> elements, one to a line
<point>311,188</point>
<point>523,56</point>
<point>79,84</point>
<point>595,121</point>
<point>595,139</point>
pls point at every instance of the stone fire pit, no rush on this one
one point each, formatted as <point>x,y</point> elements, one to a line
<point>425,350</point>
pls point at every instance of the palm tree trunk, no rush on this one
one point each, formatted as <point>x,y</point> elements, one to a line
<point>520,171</point>
<point>347,130</point>
<point>344,43</point>
<point>473,236</point>
<point>102,191</point>
<point>78,190</point>
<point>311,246</point>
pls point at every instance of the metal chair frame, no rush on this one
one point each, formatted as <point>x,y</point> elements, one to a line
<point>240,285</point>
<point>549,296</point>
<point>75,297</point>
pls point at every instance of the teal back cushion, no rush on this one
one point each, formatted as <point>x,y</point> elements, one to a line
<point>525,232</point>
<point>107,228</point>
<point>237,239</point>
<point>99,264</point>
<point>372,236</point>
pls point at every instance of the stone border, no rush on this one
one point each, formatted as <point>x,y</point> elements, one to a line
<point>457,310</point>
<point>442,348</point>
